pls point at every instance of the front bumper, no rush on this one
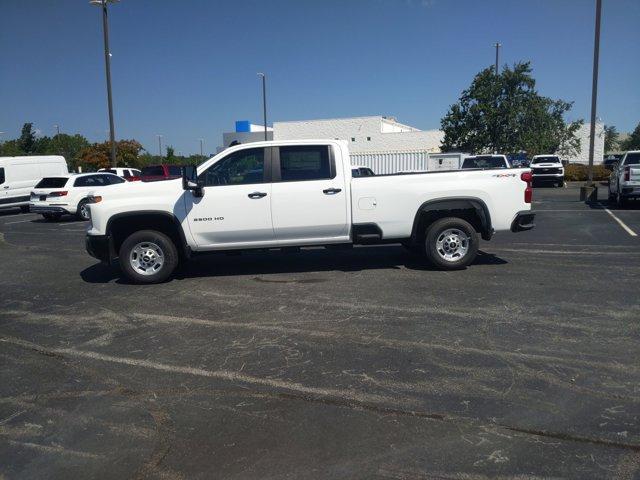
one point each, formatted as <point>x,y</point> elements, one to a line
<point>523,221</point>
<point>100,247</point>
<point>547,176</point>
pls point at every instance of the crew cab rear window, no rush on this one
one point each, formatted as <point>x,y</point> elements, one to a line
<point>52,182</point>
<point>239,168</point>
<point>632,159</point>
<point>1,176</point>
<point>305,163</point>
<point>483,162</point>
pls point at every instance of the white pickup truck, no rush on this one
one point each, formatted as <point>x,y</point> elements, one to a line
<point>624,181</point>
<point>301,193</point>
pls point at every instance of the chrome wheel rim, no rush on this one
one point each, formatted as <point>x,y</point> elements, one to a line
<point>146,258</point>
<point>452,244</point>
<point>84,211</point>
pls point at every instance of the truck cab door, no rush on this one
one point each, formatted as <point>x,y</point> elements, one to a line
<point>310,196</point>
<point>235,208</point>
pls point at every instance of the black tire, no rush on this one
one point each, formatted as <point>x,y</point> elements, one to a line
<point>466,234</point>
<point>82,213</point>
<point>560,183</point>
<point>148,240</point>
<point>24,208</point>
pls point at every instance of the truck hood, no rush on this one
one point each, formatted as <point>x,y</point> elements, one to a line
<point>139,189</point>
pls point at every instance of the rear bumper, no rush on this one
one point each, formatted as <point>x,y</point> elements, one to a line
<point>100,247</point>
<point>47,209</point>
<point>630,192</point>
<point>523,221</point>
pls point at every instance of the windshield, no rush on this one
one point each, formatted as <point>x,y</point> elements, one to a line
<point>52,182</point>
<point>484,162</point>
<point>546,160</point>
<point>632,159</point>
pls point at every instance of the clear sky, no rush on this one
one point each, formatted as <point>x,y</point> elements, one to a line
<point>186,69</point>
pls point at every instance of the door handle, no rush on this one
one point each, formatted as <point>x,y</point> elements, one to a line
<point>255,195</point>
<point>331,191</point>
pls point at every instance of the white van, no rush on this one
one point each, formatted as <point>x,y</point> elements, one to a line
<point>18,176</point>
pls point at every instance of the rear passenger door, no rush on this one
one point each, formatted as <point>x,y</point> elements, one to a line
<point>309,196</point>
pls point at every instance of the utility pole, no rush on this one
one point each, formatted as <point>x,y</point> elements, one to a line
<point>497,45</point>
<point>264,102</point>
<point>107,63</point>
<point>159,145</point>
<point>594,89</point>
<point>201,148</point>
<point>57,127</point>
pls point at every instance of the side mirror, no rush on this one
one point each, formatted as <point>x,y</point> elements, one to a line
<point>190,180</point>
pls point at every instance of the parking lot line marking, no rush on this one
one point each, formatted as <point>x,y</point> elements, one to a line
<point>561,252</point>
<point>19,221</point>
<point>227,375</point>
<point>621,223</point>
<point>374,340</point>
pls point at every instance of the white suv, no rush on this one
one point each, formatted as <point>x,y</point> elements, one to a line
<point>68,194</point>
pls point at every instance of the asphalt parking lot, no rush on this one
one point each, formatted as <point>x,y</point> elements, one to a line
<point>325,364</point>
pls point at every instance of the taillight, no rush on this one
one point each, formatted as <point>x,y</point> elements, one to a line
<point>57,194</point>
<point>528,192</point>
<point>627,174</point>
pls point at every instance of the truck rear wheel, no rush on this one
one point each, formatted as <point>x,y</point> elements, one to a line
<point>148,256</point>
<point>451,243</point>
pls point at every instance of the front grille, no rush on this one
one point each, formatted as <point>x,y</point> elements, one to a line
<point>537,171</point>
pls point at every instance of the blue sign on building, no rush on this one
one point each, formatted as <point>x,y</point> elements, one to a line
<point>243,126</point>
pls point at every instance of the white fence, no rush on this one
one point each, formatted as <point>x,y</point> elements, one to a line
<point>392,162</point>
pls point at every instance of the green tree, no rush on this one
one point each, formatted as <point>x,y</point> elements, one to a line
<point>171,157</point>
<point>633,142</point>
<point>69,146</point>
<point>504,113</point>
<point>10,148</point>
<point>610,138</point>
<point>98,155</point>
<point>27,140</point>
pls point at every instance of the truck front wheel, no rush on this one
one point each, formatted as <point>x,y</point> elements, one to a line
<point>451,243</point>
<point>148,256</point>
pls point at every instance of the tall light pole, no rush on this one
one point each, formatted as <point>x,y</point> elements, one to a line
<point>107,64</point>
<point>201,149</point>
<point>594,89</point>
<point>497,45</point>
<point>159,145</point>
<point>57,127</point>
<point>264,102</point>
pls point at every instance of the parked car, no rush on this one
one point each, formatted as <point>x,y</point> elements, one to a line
<point>304,197</point>
<point>358,171</point>
<point>624,182</point>
<point>69,194</point>
<point>129,174</point>
<point>18,176</point>
<point>547,169</point>
<point>485,161</point>
<point>154,173</point>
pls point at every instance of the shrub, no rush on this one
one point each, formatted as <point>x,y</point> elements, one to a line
<point>577,172</point>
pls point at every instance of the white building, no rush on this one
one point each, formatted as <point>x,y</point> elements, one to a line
<point>598,146</point>
<point>380,143</point>
<point>364,134</point>
<point>246,132</point>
